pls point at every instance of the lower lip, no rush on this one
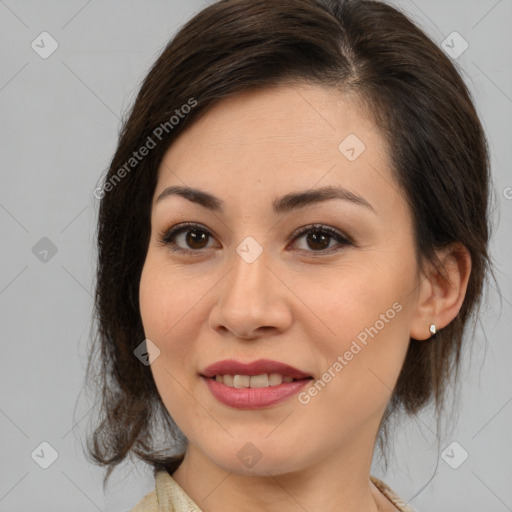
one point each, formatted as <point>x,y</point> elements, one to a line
<point>254,398</point>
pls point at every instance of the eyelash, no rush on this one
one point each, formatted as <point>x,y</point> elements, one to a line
<point>165,238</point>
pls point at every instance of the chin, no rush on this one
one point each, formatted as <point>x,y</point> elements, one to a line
<point>254,459</point>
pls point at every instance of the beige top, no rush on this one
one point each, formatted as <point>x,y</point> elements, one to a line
<point>169,496</point>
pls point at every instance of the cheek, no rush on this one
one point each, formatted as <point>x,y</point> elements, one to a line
<point>169,305</point>
<point>151,298</point>
<point>364,318</point>
<point>344,303</point>
<point>166,299</point>
<point>359,374</point>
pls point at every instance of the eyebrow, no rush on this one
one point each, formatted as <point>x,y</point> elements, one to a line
<point>280,205</point>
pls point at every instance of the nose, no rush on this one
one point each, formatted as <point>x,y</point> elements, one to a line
<point>251,300</point>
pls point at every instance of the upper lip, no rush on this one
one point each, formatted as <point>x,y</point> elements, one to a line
<point>259,367</point>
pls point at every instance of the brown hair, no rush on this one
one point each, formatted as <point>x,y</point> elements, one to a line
<point>366,48</point>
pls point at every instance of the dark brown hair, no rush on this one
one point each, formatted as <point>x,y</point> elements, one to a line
<point>364,48</point>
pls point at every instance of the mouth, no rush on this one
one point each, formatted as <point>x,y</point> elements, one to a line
<point>263,372</point>
<point>264,380</point>
<point>262,383</point>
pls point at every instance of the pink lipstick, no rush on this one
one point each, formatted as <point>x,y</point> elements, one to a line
<point>255,385</point>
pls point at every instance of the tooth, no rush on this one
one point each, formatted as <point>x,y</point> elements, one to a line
<point>274,379</point>
<point>241,381</point>
<point>259,381</point>
<point>255,381</point>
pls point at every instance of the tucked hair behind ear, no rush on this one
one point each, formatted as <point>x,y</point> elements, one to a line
<point>364,48</point>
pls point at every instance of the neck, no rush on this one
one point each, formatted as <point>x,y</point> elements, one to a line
<point>338,482</point>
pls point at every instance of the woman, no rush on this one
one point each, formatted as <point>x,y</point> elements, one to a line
<point>292,238</point>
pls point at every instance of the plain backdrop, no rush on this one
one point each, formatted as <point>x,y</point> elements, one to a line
<point>60,117</point>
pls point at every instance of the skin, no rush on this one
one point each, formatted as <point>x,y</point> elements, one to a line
<point>298,303</point>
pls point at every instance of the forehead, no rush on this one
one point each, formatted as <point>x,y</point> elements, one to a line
<point>273,140</point>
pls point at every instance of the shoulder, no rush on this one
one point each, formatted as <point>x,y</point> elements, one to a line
<point>167,495</point>
<point>391,495</point>
<point>147,504</point>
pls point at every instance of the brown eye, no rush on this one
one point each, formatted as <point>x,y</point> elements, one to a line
<point>196,238</point>
<point>192,238</point>
<point>318,239</point>
<point>186,238</point>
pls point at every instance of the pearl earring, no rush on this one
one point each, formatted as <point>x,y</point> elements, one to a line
<point>433,328</point>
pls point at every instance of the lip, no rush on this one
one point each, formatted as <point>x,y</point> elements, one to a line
<point>259,367</point>
<point>253,398</point>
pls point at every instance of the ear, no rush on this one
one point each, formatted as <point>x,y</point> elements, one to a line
<point>441,295</point>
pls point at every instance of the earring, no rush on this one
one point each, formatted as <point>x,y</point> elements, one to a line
<point>433,328</point>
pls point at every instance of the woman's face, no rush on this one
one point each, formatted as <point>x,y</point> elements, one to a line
<point>246,282</point>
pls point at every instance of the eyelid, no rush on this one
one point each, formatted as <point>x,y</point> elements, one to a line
<point>335,233</point>
<point>164,237</point>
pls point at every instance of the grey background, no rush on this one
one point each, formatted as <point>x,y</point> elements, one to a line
<point>60,119</point>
